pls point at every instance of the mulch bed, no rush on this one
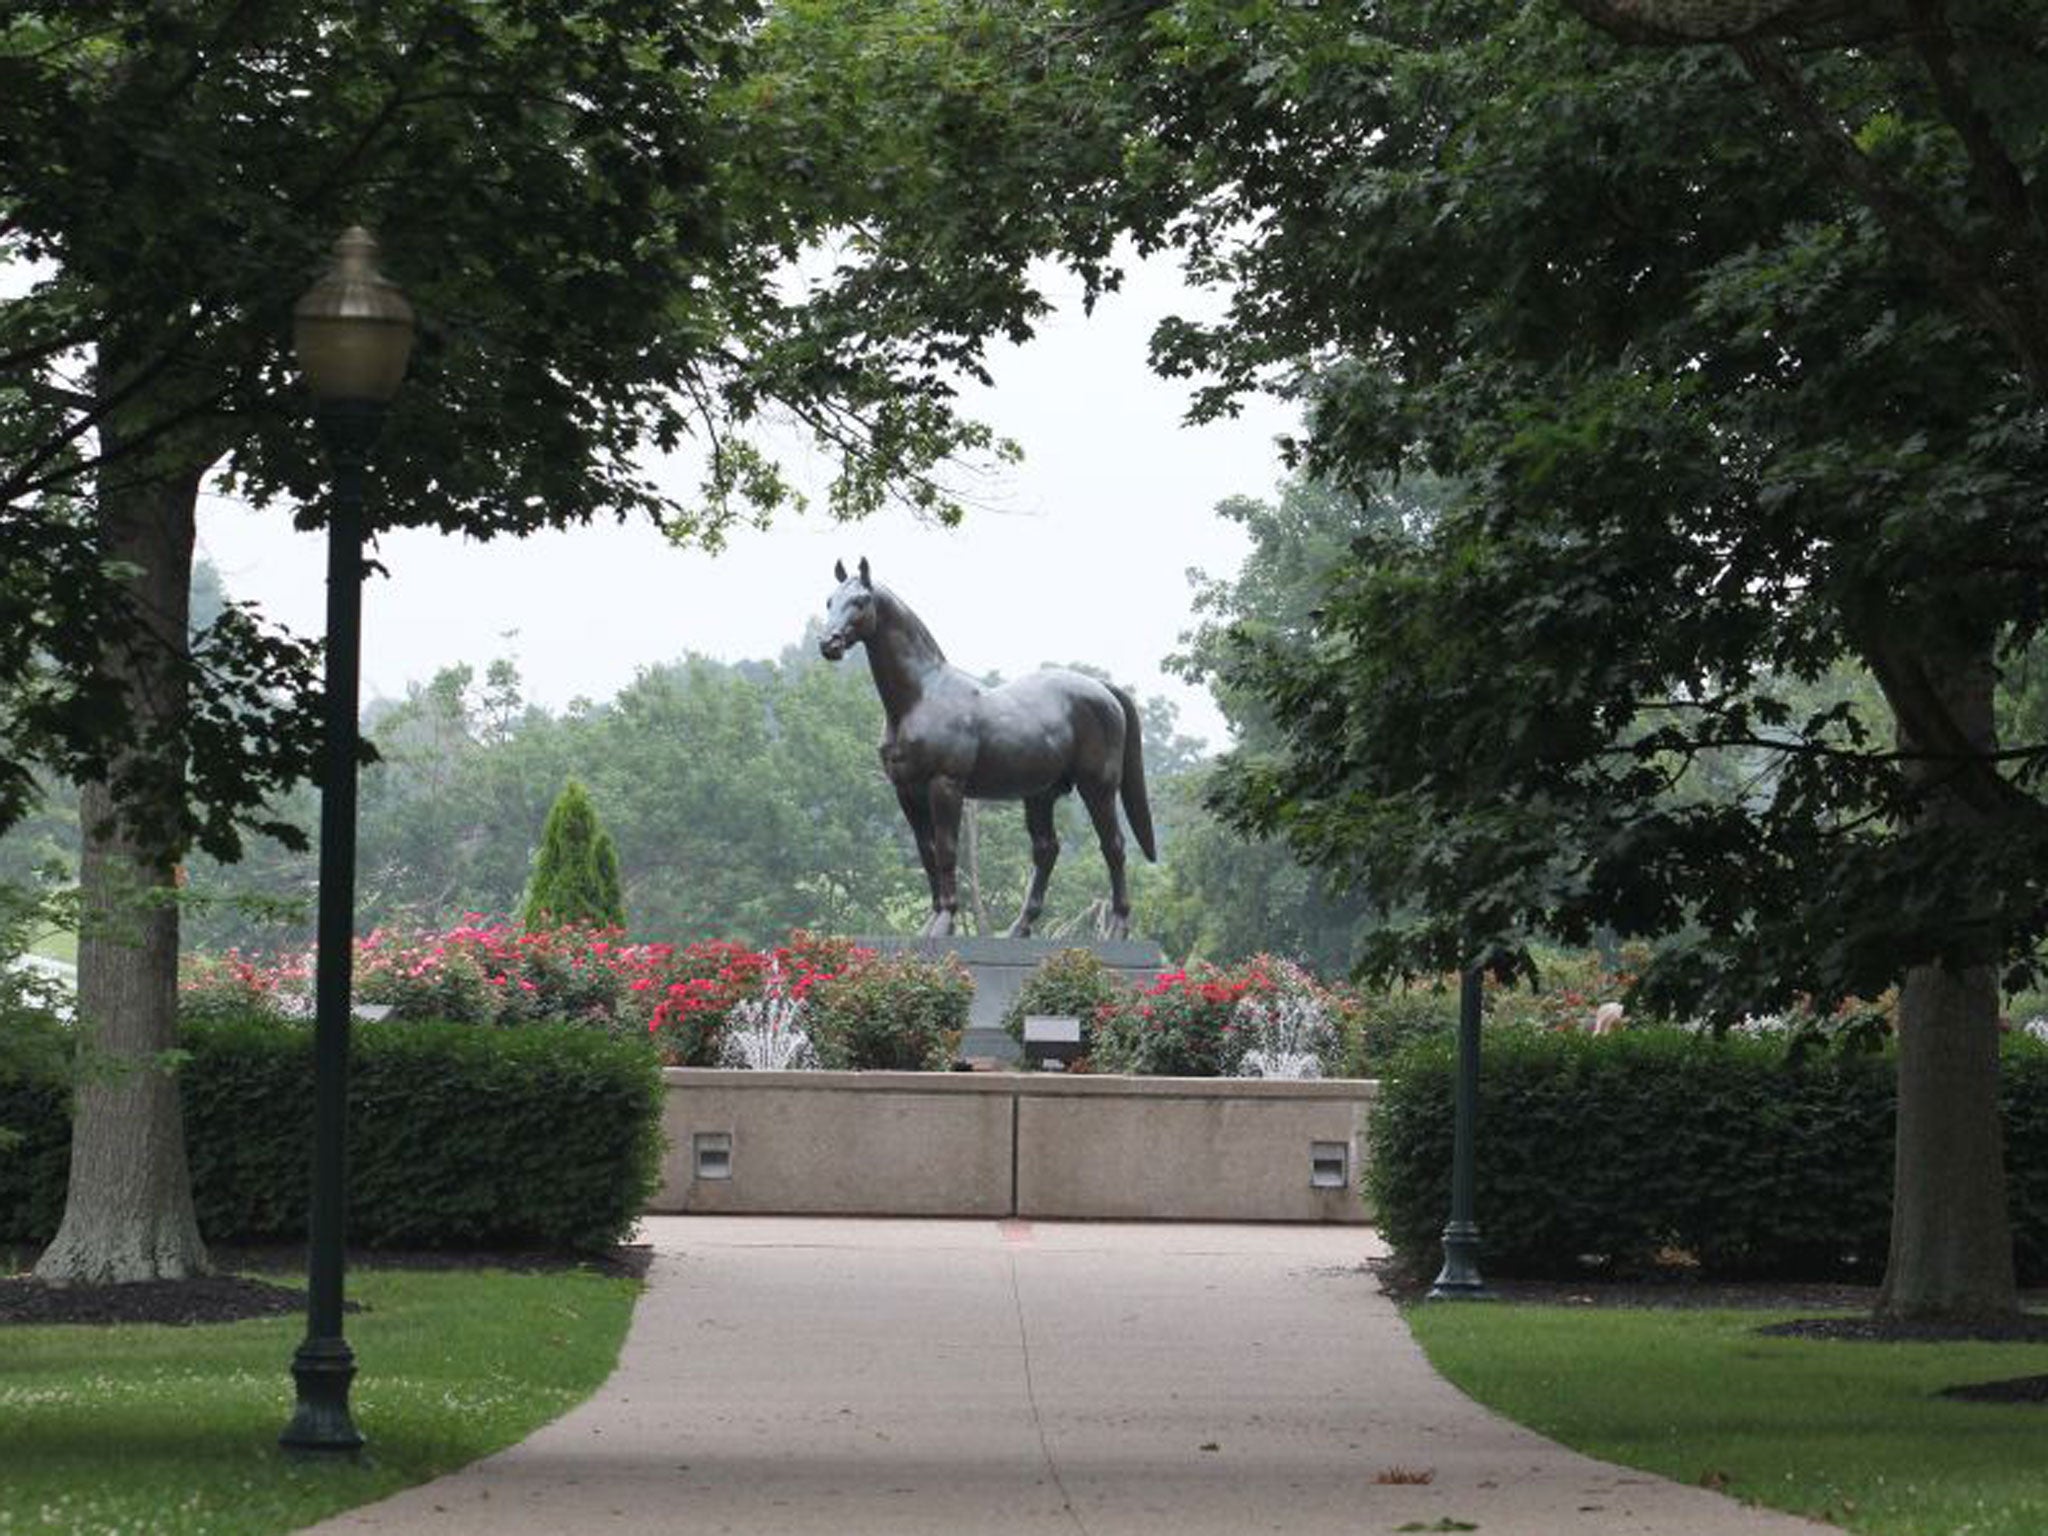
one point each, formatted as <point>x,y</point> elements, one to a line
<point>2029,1328</point>
<point>2014,1389</point>
<point>1688,1294</point>
<point>203,1299</point>
<point>1846,1309</point>
<point>1677,1287</point>
<point>236,1293</point>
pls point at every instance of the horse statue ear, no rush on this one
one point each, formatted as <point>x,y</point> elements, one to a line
<point>839,570</point>
<point>865,579</point>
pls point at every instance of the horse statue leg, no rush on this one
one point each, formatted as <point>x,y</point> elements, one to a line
<point>943,802</point>
<point>918,813</point>
<point>1045,849</point>
<point>1100,798</point>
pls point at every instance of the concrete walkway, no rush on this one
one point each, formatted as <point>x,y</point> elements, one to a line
<point>786,1377</point>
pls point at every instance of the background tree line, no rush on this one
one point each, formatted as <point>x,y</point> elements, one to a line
<point>746,800</point>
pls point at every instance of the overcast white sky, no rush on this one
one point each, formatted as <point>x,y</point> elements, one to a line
<point>1079,554</point>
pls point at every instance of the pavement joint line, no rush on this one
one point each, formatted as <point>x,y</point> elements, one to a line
<point>1031,1397</point>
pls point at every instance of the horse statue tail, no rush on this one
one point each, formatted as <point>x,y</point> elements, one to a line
<point>1137,810</point>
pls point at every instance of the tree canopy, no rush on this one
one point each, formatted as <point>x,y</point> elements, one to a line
<point>598,238</point>
<point>574,199</point>
<point>1683,327</point>
<point>1718,435</point>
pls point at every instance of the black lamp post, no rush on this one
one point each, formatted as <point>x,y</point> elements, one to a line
<point>1460,1280</point>
<point>352,333</point>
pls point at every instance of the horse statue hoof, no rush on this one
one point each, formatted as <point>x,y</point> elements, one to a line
<point>939,926</point>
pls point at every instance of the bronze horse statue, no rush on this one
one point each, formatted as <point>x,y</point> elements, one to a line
<point>950,739</point>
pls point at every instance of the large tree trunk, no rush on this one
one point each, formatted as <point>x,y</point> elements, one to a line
<point>1951,1238</point>
<point>128,1208</point>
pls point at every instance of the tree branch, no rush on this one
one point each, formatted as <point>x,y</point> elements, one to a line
<point>1712,21</point>
<point>204,54</point>
<point>1953,263</point>
<point>1802,746</point>
<point>1926,719</point>
<point>54,394</point>
<point>29,478</point>
<point>60,44</point>
<point>2003,185</point>
<point>22,356</point>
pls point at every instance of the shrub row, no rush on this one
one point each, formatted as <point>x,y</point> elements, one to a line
<point>35,1124</point>
<point>863,1010</point>
<point>1619,1155</point>
<point>1209,1021</point>
<point>541,1137</point>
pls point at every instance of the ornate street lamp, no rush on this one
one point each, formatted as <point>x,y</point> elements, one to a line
<point>1460,1279</point>
<point>352,333</point>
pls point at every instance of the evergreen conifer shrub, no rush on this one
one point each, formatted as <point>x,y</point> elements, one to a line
<point>576,871</point>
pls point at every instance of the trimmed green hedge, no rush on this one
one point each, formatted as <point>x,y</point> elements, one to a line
<point>531,1137</point>
<point>1605,1155</point>
<point>35,1125</point>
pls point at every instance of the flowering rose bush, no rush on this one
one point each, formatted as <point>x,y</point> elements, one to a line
<point>1378,1022</point>
<point>432,976</point>
<point>890,1013</point>
<point>491,972</point>
<point>1570,989</point>
<point>685,996</point>
<point>1853,1026</point>
<point>1186,1024</point>
<point>681,994</point>
<point>232,985</point>
<point>864,1010</point>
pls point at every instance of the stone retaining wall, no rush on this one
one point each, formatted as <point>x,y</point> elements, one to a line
<point>1037,1144</point>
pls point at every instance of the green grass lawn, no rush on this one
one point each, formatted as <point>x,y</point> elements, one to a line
<point>174,1430</point>
<point>1849,1432</point>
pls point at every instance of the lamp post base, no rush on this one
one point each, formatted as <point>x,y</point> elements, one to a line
<point>1460,1279</point>
<point>321,1426</point>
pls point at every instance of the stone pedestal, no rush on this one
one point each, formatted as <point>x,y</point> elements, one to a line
<point>999,967</point>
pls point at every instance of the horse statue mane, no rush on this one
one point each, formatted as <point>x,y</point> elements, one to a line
<point>950,739</point>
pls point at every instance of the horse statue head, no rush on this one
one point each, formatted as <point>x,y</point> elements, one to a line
<point>849,612</point>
